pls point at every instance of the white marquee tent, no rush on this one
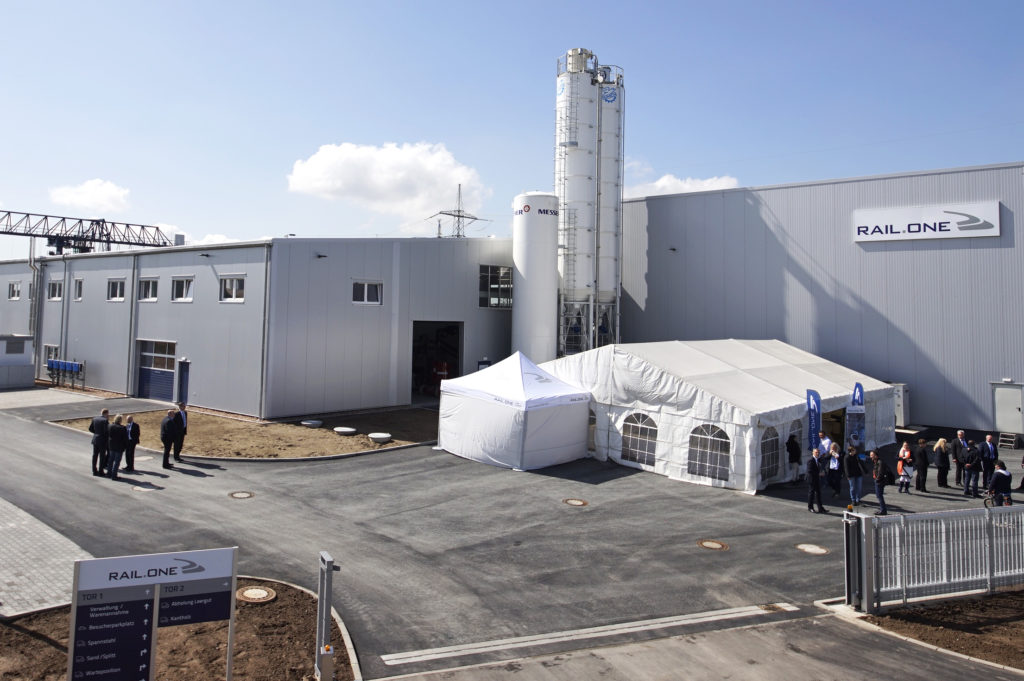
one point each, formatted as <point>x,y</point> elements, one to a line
<point>715,412</point>
<point>513,414</point>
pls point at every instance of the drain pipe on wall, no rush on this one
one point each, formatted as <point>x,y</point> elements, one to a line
<point>132,321</point>
<point>266,329</point>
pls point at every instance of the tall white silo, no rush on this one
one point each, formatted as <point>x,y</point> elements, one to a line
<point>588,181</point>
<point>535,275</point>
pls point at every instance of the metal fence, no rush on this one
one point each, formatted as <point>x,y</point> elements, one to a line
<point>896,559</point>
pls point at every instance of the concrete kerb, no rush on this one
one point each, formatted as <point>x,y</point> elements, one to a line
<point>839,608</point>
<point>328,457</point>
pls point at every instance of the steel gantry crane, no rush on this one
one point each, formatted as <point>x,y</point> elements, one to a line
<point>79,234</point>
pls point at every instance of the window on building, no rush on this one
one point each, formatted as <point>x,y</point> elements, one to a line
<point>78,289</point>
<point>639,439</point>
<point>156,355</point>
<point>115,289</point>
<point>51,352</point>
<point>495,286</point>
<point>181,289</point>
<point>13,290</point>
<point>709,452</point>
<point>367,292</point>
<point>232,289</point>
<point>147,289</point>
<point>54,290</point>
<point>769,453</point>
<point>15,347</point>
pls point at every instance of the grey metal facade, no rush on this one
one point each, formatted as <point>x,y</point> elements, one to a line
<point>942,316</point>
<point>294,343</point>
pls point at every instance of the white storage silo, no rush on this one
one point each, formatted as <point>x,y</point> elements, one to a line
<point>535,275</point>
<point>588,182</point>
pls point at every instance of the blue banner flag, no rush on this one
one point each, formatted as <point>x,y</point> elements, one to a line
<point>813,418</point>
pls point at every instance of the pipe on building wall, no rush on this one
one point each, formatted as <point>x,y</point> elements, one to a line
<point>266,329</point>
<point>133,357</point>
<point>61,337</point>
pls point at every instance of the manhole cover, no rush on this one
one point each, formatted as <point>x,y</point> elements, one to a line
<point>813,549</point>
<point>256,594</point>
<point>712,544</point>
<point>574,502</point>
<point>241,495</point>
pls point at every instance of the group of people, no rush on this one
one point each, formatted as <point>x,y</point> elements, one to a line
<point>112,440</point>
<point>828,464</point>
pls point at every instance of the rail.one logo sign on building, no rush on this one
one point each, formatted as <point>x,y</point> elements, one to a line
<point>941,221</point>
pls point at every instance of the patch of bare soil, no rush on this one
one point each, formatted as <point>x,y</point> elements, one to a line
<point>224,436</point>
<point>274,641</point>
<point>987,627</point>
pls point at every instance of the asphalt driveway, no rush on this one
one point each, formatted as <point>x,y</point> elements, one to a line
<point>446,562</point>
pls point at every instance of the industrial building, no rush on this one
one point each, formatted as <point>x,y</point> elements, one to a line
<point>271,328</point>
<point>910,278</point>
<point>907,278</point>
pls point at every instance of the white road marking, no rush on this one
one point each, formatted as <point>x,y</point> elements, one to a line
<point>582,634</point>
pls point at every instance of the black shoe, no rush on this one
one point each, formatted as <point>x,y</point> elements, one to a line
<point>881,513</point>
<point>115,478</point>
<point>97,473</point>
<point>811,510</point>
<point>822,510</point>
<point>167,465</point>
<point>178,459</point>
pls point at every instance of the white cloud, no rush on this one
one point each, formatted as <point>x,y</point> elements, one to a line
<point>411,181</point>
<point>96,195</point>
<point>208,240</point>
<point>670,184</point>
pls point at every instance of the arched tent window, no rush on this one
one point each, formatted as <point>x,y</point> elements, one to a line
<point>769,453</point>
<point>639,439</point>
<point>797,428</point>
<point>709,452</point>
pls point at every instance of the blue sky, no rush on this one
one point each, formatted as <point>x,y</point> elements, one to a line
<point>235,121</point>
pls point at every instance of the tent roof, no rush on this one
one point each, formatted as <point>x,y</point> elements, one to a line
<point>756,376</point>
<point>516,381</point>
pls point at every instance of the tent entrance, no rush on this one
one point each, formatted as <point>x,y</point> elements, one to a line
<point>833,423</point>
<point>436,355</point>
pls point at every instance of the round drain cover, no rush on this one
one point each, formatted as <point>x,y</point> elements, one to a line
<point>256,594</point>
<point>712,544</point>
<point>813,549</point>
<point>241,495</point>
<point>574,502</point>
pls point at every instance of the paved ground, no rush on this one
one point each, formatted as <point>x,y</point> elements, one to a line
<point>447,563</point>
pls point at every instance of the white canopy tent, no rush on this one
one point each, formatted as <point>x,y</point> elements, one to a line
<point>715,412</point>
<point>513,414</point>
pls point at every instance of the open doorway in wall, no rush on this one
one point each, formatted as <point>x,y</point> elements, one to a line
<point>834,425</point>
<point>436,355</point>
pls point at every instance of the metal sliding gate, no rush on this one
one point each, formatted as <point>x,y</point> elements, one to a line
<point>894,559</point>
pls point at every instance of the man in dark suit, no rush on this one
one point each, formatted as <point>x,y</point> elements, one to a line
<point>100,429</point>
<point>989,454</point>
<point>181,419</point>
<point>133,440</point>
<point>814,473</point>
<point>959,456</point>
<point>921,465</point>
<point>168,435</point>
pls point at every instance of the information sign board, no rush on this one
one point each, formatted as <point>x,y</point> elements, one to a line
<point>119,603</point>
